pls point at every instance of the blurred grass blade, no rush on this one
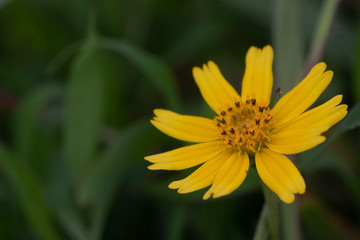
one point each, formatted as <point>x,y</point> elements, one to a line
<point>288,44</point>
<point>131,144</point>
<point>322,222</point>
<point>152,67</point>
<point>101,183</point>
<point>196,41</point>
<point>3,3</point>
<point>176,223</point>
<point>321,32</point>
<point>59,193</point>
<point>71,222</point>
<point>351,121</point>
<point>262,227</point>
<point>356,67</point>
<point>84,106</point>
<point>61,58</point>
<point>289,61</point>
<point>30,195</point>
<point>29,139</point>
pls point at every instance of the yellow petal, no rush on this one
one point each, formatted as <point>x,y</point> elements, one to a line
<point>230,176</point>
<point>185,157</point>
<point>303,95</point>
<point>328,113</point>
<point>279,174</point>
<point>184,127</point>
<point>258,77</point>
<point>295,135</point>
<point>216,91</point>
<point>296,148</point>
<point>204,175</point>
<point>296,140</point>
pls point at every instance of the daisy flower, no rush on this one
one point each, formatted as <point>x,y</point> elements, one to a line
<point>246,127</point>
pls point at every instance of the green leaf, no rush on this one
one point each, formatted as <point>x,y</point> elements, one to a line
<point>99,186</point>
<point>30,140</point>
<point>84,107</point>
<point>351,121</point>
<point>152,67</point>
<point>30,195</point>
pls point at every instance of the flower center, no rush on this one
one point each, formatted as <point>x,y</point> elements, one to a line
<point>245,126</point>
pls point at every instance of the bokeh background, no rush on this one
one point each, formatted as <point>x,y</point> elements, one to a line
<point>78,83</point>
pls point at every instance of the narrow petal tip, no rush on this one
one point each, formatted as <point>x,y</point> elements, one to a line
<point>302,189</point>
<point>207,195</point>
<point>157,111</point>
<point>175,184</point>
<point>288,198</point>
<point>153,167</point>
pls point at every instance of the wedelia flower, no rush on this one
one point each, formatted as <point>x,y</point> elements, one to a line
<point>247,127</point>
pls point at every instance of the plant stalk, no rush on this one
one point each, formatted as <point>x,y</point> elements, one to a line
<point>273,212</point>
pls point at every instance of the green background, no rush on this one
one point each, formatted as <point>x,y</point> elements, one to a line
<point>78,83</point>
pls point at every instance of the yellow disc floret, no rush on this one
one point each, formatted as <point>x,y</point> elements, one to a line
<point>246,125</point>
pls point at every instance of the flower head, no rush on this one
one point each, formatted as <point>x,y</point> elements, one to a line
<point>246,126</point>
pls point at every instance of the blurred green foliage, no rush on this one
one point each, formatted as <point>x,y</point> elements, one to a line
<point>78,83</point>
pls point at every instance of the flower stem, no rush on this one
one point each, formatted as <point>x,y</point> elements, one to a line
<point>289,221</point>
<point>273,212</point>
<point>262,227</point>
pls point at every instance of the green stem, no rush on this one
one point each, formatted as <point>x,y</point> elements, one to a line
<point>273,210</point>
<point>288,43</point>
<point>290,221</point>
<point>262,227</point>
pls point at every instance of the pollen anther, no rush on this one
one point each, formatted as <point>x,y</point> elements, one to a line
<point>249,125</point>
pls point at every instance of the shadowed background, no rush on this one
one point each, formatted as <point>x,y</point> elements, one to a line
<point>78,83</point>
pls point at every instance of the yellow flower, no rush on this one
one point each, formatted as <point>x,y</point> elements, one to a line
<point>245,126</point>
